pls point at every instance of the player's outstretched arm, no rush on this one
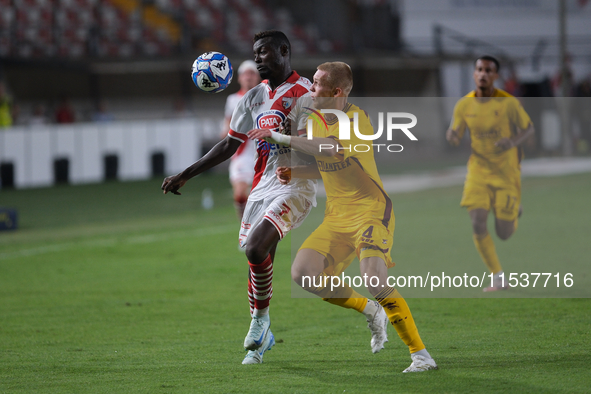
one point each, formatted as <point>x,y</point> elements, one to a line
<point>221,152</point>
<point>518,139</point>
<point>285,174</point>
<point>315,147</point>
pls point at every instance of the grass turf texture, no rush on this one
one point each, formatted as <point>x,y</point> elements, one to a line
<point>116,288</point>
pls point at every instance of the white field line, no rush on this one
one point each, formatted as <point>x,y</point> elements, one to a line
<point>133,240</point>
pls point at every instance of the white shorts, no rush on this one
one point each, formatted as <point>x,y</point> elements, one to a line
<point>285,212</point>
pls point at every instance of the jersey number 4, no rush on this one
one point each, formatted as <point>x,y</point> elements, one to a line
<point>368,233</point>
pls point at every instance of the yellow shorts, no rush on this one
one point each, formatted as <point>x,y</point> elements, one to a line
<point>501,195</point>
<point>340,243</point>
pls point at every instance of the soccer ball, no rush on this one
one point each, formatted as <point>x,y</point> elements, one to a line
<point>212,72</point>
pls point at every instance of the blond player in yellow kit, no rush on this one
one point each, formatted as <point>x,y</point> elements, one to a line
<point>358,222</point>
<point>498,125</point>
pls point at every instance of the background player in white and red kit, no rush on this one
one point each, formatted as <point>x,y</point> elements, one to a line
<point>242,163</point>
<point>272,209</point>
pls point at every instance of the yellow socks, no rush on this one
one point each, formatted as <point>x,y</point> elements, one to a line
<point>400,317</point>
<point>486,247</point>
<point>356,301</point>
<point>343,296</point>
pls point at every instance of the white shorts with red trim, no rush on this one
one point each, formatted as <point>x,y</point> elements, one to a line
<point>284,212</point>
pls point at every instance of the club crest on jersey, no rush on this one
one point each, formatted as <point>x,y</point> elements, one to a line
<point>270,119</point>
<point>287,102</point>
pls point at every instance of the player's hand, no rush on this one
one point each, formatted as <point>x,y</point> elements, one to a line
<point>452,137</point>
<point>283,174</point>
<point>259,134</point>
<point>504,144</point>
<point>172,184</point>
<point>285,127</point>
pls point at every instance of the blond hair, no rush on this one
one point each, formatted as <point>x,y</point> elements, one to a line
<point>339,75</point>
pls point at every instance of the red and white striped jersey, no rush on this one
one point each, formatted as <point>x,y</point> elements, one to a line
<point>264,108</point>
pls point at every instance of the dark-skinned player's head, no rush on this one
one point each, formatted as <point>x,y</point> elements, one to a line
<point>486,72</point>
<point>489,58</point>
<point>275,37</point>
<point>272,53</point>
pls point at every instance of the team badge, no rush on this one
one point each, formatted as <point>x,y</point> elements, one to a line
<point>287,102</point>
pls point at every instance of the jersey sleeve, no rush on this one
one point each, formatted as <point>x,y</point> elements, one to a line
<point>517,114</point>
<point>458,123</point>
<point>241,122</point>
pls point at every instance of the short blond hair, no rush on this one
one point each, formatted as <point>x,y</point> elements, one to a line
<point>339,75</point>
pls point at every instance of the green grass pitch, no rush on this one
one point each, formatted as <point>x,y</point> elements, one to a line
<point>115,288</point>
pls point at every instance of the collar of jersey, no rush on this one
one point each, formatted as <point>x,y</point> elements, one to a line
<point>497,93</point>
<point>293,78</point>
<point>345,109</point>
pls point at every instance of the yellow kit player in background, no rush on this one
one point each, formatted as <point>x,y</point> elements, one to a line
<point>498,125</point>
<point>358,221</point>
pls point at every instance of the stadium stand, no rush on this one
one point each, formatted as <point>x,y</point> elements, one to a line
<point>131,28</point>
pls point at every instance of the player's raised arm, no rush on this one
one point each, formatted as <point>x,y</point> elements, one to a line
<point>310,171</point>
<point>315,146</point>
<point>221,152</point>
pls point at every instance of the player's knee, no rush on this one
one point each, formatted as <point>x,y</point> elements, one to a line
<point>297,274</point>
<point>479,226</point>
<point>504,233</point>
<point>240,193</point>
<point>504,229</point>
<point>478,217</point>
<point>302,274</point>
<point>255,253</point>
<point>374,269</point>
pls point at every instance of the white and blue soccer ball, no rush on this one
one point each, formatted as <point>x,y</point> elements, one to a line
<point>212,72</point>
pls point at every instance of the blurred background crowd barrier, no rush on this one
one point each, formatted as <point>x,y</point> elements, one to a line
<point>89,152</point>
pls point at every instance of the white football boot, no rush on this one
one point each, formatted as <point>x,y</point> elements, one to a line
<point>421,364</point>
<point>256,334</point>
<point>498,284</point>
<point>378,325</point>
<point>256,356</point>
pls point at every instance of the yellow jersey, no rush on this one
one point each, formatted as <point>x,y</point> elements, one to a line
<point>489,120</point>
<point>353,186</point>
<point>5,113</point>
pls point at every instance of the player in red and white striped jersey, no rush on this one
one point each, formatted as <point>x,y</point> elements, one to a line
<point>272,209</point>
